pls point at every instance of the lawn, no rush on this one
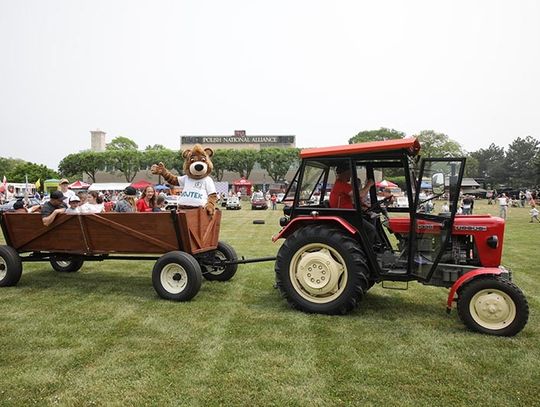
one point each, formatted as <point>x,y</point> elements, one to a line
<point>103,337</point>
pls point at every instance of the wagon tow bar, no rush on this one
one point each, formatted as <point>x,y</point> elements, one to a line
<point>242,260</point>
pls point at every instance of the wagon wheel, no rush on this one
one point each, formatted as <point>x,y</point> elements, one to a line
<point>177,276</point>
<point>10,266</point>
<point>493,306</point>
<point>66,264</point>
<point>223,252</point>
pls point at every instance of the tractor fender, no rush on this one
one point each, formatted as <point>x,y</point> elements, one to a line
<point>495,271</point>
<point>304,220</point>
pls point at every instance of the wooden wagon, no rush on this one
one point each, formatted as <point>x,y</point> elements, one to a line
<point>185,240</point>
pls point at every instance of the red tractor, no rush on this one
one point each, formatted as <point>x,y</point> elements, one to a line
<point>334,253</point>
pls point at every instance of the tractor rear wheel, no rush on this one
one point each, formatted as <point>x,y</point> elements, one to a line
<point>223,252</point>
<point>10,266</point>
<point>321,269</point>
<point>177,276</point>
<point>493,306</point>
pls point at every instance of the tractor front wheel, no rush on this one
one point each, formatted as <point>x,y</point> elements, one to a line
<point>493,306</point>
<point>321,269</point>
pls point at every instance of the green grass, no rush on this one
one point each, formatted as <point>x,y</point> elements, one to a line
<point>102,337</point>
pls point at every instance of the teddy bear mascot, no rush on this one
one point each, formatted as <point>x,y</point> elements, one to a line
<point>198,188</point>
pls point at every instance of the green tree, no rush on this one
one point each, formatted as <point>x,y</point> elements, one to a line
<point>7,165</point>
<point>435,144</point>
<point>85,162</point>
<point>520,161</point>
<point>32,171</point>
<point>223,161</point>
<point>122,143</point>
<point>382,134</point>
<point>244,162</point>
<point>172,159</point>
<point>491,163</point>
<point>277,161</point>
<point>128,162</point>
<point>471,167</point>
<point>155,147</point>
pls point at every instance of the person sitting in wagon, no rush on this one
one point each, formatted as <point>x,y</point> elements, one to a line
<point>53,207</point>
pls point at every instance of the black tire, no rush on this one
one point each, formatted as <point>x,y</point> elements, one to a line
<point>66,264</point>
<point>224,251</point>
<point>10,266</point>
<point>508,310</point>
<point>177,276</point>
<point>259,222</point>
<point>324,253</point>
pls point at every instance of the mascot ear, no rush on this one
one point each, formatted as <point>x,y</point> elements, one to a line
<point>209,152</point>
<point>186,153</point>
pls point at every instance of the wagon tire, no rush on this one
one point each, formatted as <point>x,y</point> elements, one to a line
<point>224,251</point>
<point>10,266</point>
<point>494,306</point>
<point>320,269</point>
<point>66,264</point>
<point>177,276</point>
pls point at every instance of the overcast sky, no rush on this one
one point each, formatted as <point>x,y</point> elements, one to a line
<point>321,70</point>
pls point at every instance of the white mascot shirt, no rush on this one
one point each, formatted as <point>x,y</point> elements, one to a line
<point>195,191</point>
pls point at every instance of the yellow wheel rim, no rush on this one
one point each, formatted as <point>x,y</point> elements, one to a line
<point>318,273</point>
<point>492,309</point>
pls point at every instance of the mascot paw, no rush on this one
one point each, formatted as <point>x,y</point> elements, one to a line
<point>210,209</point>
<point>157,169</point>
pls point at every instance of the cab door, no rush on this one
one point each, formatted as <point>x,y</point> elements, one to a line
<point>436,201</point>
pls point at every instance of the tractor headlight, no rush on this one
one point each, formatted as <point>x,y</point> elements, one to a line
<point>493,242</point>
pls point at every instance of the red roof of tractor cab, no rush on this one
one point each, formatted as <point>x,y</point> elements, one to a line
<point>410,144</point>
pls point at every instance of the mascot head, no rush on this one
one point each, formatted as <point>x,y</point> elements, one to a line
<point>197,162</point>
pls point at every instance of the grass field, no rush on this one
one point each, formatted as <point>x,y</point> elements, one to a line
<point>102,337</point>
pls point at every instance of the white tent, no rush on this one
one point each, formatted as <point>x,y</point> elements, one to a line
<point>108,186</point>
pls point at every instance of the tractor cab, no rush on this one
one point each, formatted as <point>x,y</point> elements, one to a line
<point>345,230</point>
<point>344,187</point>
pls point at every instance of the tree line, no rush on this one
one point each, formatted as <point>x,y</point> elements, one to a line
<point>516,166</point>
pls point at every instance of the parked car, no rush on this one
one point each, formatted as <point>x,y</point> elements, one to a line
<point>8,206</point>
<point>233,203</point>
<point>258,202</point>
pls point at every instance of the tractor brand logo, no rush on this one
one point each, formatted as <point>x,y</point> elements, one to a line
<point>426,227</point>
<point>471,228</point>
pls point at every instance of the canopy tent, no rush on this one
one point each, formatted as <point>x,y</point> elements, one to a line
<point>160,187</point>
<point>425,185</point>
<point>141,184</point>
<point>108,186</point>
<point>242,185</point>
<point>79,185</point>
<point>385,184</point>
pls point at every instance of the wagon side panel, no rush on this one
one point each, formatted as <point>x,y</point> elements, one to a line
<point>152,233</point>
<point>27,233</point>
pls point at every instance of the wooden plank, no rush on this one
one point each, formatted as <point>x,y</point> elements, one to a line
<point>167,247</point>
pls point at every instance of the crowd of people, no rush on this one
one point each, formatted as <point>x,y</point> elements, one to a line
<point>67,201</point>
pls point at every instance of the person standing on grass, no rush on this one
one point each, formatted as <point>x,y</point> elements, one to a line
<point>534,214</point>
<point>273,199</point>
<point>503,205</point>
